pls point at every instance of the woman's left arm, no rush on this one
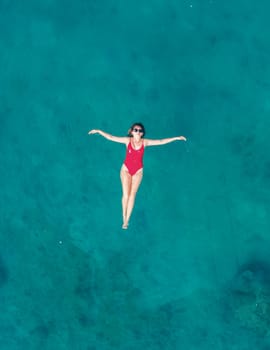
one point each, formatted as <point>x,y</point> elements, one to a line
<point>149,142</point>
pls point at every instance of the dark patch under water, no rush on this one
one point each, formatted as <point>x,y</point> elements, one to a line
<point>3,273</point>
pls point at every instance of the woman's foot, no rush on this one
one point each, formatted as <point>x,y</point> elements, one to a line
<point>124,226</point>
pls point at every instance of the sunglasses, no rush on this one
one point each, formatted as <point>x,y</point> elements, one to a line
<point>137,130</point>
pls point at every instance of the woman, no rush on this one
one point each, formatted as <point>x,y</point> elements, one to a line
<point>132,169</point>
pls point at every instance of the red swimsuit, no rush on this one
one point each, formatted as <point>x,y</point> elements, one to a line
<point>134,159</point>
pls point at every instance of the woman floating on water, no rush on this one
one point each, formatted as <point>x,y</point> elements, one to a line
<point>131,172</point>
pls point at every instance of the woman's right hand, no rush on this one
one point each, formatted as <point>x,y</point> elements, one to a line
<point>181,138</point>
<point>93,132</point>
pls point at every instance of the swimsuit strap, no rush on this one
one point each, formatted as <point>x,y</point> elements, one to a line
<point>136,149</point>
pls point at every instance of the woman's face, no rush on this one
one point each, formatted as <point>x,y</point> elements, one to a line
<point>137,131</point>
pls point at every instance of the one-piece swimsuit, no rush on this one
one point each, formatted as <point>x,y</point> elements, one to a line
<point>134,158</point>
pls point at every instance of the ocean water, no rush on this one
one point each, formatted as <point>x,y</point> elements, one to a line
<point>193,269</point>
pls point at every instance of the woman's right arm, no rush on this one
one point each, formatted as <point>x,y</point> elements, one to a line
<point>109,136</point>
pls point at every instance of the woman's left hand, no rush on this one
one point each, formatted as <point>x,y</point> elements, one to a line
<point>181,138</point>
<point>93,132</point>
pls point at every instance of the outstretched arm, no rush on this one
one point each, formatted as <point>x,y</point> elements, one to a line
<point>109,136</point>
<point>149,142</point>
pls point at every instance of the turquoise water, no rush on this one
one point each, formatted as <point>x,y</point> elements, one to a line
<point>192,271</point>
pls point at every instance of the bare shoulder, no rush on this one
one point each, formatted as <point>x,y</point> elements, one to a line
<point>146,142</point>
<point>126,140</point>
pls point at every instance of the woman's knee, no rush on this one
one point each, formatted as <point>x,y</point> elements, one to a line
<point>125,196</point>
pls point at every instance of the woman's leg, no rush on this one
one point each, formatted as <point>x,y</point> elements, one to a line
<point>126,188</point>
<point>135,183</point>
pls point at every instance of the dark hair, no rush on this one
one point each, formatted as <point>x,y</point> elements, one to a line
<point>136,124</point>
